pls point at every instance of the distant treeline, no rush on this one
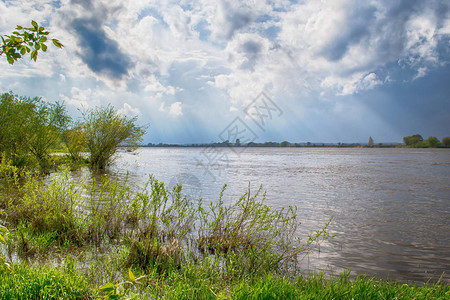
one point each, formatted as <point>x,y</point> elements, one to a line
<point>415,141</point>
<point>275,144</point>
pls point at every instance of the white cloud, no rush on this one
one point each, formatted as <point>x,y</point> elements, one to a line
<point>128,110</point>
<point>370,81</point>
<point>162,107</point>
<point>347,86</point>
<point>421,72</point>
<point>421,39</point>
<point>174,109</point>
<point>318,44</point>
<point>83,99</point>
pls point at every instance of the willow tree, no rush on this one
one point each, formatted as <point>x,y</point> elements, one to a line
<point>15,127</point>
<point>30,128</point>
<point>105,130</point>
<point>48,124</point>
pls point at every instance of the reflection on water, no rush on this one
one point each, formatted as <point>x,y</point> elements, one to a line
<point>390,207</point>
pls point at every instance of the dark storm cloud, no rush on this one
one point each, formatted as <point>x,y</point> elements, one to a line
<point>100,53</point>
<point>86,4</point>
<point>235,19</point>
<point>251,50</point>
<point>358,27</point>
<point>421,106</point>
<point>365,24</point>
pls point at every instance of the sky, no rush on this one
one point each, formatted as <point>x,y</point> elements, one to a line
<point>206,71</point>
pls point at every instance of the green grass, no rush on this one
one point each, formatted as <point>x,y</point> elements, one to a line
<point>65,282</point>
<point>340,287</point>
<point>28,282</point>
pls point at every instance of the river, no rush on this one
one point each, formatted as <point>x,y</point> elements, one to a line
<point>390,207</point>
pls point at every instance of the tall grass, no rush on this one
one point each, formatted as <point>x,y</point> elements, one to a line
<point>28,282</point>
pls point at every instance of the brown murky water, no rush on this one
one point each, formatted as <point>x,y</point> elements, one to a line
<point>390,207</point>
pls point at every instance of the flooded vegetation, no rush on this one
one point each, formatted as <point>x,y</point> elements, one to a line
<point>101,236</point>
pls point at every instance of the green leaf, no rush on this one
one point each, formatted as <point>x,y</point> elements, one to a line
<point>8,266</point>
<point>43,39</point>
<point>34,55</point>
<point>37,46</point>
<point>131,275</point>
<point>57,43</point>
<point>19,27</point>
<point>41,29</point>
<point>35,25</point>
<point>44,47</point>
<point>10,60</point>
<point>108,287</point>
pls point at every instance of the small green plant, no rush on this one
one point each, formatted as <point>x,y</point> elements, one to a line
<point>121,290</point>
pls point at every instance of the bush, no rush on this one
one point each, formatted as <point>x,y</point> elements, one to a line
<point>31,128</point>
<point>44,210</point>
<point>105,131</point>
<point>433,142</point>
<point>413,140</point>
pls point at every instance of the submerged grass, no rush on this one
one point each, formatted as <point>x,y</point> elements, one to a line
<point>156,243</point>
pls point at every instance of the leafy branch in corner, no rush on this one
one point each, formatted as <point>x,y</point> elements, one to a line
<point>26,40</point>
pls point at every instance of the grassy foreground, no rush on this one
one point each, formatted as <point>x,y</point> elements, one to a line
<point>32,282</point>
<point>99,239</point>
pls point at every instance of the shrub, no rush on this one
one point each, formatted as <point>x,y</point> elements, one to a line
<point>105,130</point>
<point>30,128</point>
<point>433,142</point>
<point>446,141</point>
